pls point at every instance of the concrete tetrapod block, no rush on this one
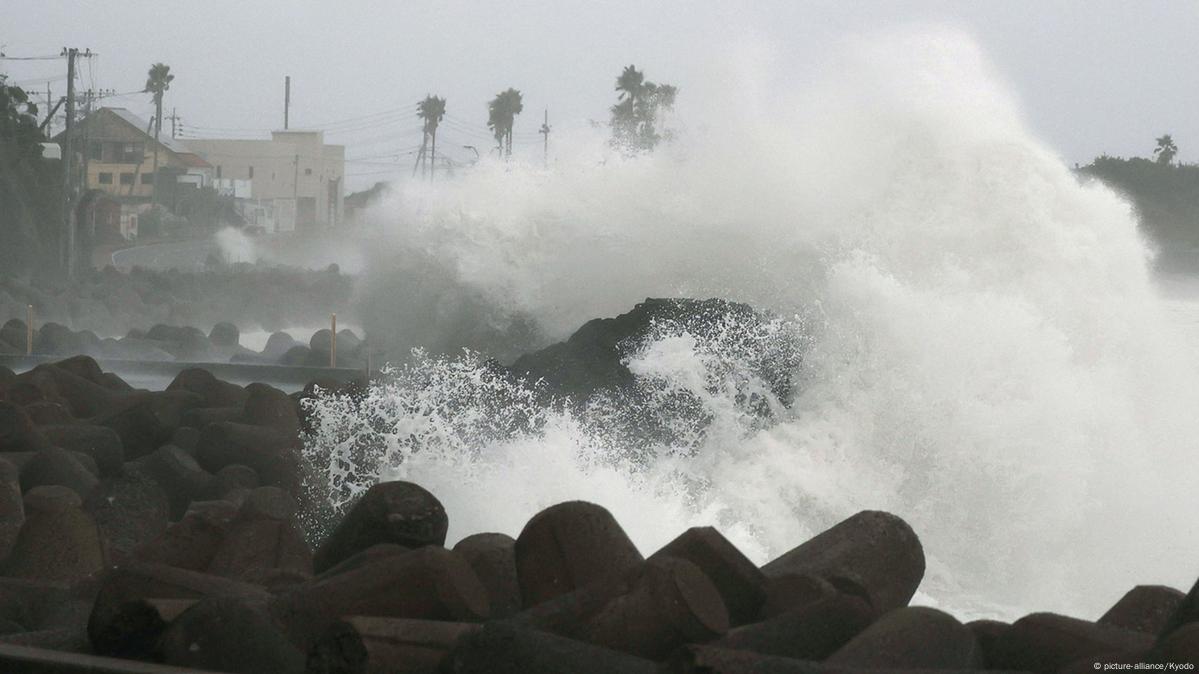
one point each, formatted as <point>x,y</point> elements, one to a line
<point>1046,642</point>
<point>229,634</point>
<point>875,548</point>
<point>504,648</point>
<point>568,546</point>
<point>740,583</point>
<point>365,645</point>
<point>790,591</point>
<point>428,583</point>
<point>389,512</point>
<point>673,603</point>
<point>493,557</point>
<point>813,631</point>
<point>912,637</point>
<point>12,507</point>
<point>59,541</point>
<point>1144,608</point>
<point>136,581</point>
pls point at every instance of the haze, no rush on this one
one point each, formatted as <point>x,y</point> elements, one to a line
<point>1094,77</point>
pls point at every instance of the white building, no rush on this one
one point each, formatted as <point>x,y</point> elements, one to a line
<point>295,180</point>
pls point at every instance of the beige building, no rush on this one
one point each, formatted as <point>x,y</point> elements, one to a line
<point>299,178</point>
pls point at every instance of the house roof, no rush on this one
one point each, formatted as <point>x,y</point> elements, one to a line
<point>172,144</point>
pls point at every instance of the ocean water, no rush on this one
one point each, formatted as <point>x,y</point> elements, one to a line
<point>986,352</point>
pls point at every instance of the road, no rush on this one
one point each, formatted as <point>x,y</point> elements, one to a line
<point>182,255</point>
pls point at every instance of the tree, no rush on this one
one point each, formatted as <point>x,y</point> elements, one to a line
<point>30,187</point>
<point>158,81</point>
<point>431,110</point>
<point>501,117</point>
<point>1165,150</point>
<point>635,117</point>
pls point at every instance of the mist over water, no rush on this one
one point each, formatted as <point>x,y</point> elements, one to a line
<point>985,354</point>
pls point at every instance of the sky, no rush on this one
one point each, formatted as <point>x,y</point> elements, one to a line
<point>1093,77</point>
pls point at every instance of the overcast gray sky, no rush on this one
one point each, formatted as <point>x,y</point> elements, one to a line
<point>1093,77</point>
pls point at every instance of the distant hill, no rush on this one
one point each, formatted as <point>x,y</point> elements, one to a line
<point>1165,196</point>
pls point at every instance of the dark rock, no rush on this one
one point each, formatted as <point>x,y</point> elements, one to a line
<point>389,512</point>
<point>493,557</point>
<point>592,359</point>
<point>877,549</point>
<point>567,546</point>
<point>740,583</point>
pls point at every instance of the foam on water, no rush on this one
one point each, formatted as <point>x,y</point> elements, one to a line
<point>985,354</point>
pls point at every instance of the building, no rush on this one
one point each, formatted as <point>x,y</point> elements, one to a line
<point>120,156</point>
<point>295,181</point>
<point>117,171</point>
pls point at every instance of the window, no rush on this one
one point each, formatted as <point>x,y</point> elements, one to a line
<point>307,172</point>
<point>251,176</point>
<point>147,178</point>
<point>126,178</point>
<point>94,151</point>
<point>105,178</point>
<point>132,153</point>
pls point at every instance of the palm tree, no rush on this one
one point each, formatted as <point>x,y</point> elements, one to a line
<point>432,109</point>
<point>158,80</point>
<point>1166,149</point>
<point>634,117</point>
<point>501,117</point>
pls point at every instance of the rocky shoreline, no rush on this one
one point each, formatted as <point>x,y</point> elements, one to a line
<point>163,527</point>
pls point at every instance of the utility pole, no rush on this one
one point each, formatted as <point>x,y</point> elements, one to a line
<point>545,131</point>
<point>68,151</point>
<point>174,118</point>
<point>286,101</point>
